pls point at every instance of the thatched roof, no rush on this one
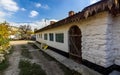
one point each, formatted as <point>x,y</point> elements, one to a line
<point>112,6</point>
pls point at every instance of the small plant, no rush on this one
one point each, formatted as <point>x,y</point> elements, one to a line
<point>11,50</point>
<point>27,68</point>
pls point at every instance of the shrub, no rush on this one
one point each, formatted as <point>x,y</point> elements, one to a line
<point>4,65</point>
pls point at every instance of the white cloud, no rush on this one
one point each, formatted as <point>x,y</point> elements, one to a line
<point>23,9</point>
<point>33,13</point>
<point>53,20</point>
<point>2,20</point>
<point>45,7</point>
<point>7,9</point>
<point>36,24</point>
<point>2,14</point>
<point>93,1</point>
<point>42,23</point>
<point>9,5</point>
<point>38,5</point>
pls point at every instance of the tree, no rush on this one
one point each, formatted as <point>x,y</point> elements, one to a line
<point>35,29</point>
<point>4,34</point>
<point>25,31</point>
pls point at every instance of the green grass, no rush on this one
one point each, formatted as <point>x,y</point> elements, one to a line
<point>47,56</point>
<point>26,53</point>
<point>33,45</point>
<point>66,70</point>
<point>23,46</point>
<point>27,68</point>
<point>4,65</point>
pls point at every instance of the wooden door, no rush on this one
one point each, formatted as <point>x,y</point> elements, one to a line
<point>75,44</point>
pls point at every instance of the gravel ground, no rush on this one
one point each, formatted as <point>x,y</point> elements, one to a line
<point>50,67</point>
<point>14,59</point>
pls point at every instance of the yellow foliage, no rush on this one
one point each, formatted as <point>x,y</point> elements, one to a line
<point>4,34</point>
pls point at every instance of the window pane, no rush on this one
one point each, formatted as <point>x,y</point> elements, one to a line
<point>39,35</point>
<point>45,36</point>
<point>60,37</point>
<point>51,37</point>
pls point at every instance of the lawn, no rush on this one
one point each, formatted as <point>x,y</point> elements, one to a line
<point>27,68</point>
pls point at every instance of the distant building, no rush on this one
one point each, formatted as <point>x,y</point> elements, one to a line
<point>90,37</point>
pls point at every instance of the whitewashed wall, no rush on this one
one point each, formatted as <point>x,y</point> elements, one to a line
<point>94,39</point>
<point>116,38</point>
<point>61,46</point>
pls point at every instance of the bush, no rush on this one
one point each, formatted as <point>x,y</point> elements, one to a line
<point>27,68</point>
<point>11,50</point>
<point>4,65</point>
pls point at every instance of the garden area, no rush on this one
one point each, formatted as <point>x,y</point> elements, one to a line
<point>4,45</point>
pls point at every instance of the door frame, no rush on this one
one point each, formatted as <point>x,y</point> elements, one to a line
<point>75,35</point>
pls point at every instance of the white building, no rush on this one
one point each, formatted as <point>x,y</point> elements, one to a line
<point>90,37</point>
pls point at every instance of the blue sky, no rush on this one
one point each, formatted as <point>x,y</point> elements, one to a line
<point>38,10</point>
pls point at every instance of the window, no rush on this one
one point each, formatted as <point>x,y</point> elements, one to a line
<point>45,36</point>
<point>41,35</point>
<point>60,37</point>
<point>36,35</point>
<point>51,36</point>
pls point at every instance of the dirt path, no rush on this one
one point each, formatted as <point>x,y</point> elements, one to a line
<point>51,67</point>
<point>14,59</point>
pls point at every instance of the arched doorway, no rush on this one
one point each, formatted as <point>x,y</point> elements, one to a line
<point>75,44</point>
